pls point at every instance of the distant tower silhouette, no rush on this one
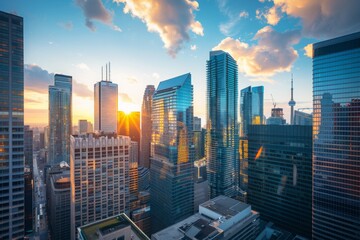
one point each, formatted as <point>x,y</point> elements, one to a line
<point>292,103</point>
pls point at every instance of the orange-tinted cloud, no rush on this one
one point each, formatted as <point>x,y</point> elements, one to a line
<point>273,53</point>
<point>172,20</point>
<point>323,18</point>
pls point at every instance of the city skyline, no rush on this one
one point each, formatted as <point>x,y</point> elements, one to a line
<point>55,31</point>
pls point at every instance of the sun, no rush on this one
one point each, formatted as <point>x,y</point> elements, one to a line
<point>127,108</point>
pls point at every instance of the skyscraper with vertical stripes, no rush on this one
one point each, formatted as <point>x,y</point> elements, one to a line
<point>11,127</point>
<point>222,133</point>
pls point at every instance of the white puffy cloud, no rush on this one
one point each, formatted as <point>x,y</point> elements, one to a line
<point>171,19</point>
<point>95,10</point>
<point>83,66</point>
<point>273,52</point>
<point>272,16</point>
<point>323,18</point>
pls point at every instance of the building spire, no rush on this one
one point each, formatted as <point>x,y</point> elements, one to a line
<point>292,103</point>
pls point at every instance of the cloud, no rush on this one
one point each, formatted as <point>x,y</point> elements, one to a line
<point>67,25</point>
<point>272,16</point>
<point>95,10</point>
<point>82,66</point>
<point>308,50</point>
<point>226,28</point>
<point>323,18</point>
<point>81,90</point>
<point>131,80</point>
<point>273,52</point>
<point>243,14</point>
<point>172,20</point>
<point>193,47</point>
<point>37,79</point>
<point>125,98</point>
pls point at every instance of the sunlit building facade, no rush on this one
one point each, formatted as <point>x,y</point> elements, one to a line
<point>336,129</point>
<point>251,107</point>
<point>60,119</point>
<point>105,106</point>
<point>99,175</point>
<point>11,127</point>
<point>222,133</point>
<point>279,175</point>
<point>146,125</point>
<point>172,150</point>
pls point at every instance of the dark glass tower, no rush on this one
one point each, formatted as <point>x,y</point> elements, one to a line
<point>146,124</point>
<point>11,127</point>
<point>172,160</point>
<point>222,133</point>
<point>251,107</point>
<point>60,119</point>
<point>279,175</point>
<point>336,133</point>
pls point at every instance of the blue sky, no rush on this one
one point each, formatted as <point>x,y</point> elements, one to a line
<point>152,40</point>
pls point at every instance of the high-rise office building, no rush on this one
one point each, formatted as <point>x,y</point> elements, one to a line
<point>172,160</point>
<point>28,146</point>
<point>60,119</point>
<point>29,199</point>
<point>336,134</point>
<point>222,135</point>
<point>279,175</point>
<point>12,126</point>
<point>106,106</point>
<point>197,124</point>
<point>199,144</point>
<point>302,118</point>
<point>251,113</point>
<point>129,125</point>
<point>146,125</point>
<point>99,175</point>
<point>251,107</point>
<point>83,126</point>
<point>58,202</point>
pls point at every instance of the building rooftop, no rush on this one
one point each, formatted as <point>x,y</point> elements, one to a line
<point>110,225</point>
<point>215,217</point>
<point>225,206</point>
<point>173,82</point>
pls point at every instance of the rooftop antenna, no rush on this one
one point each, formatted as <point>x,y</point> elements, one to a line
<point>274,103</point>
<point>106,73</point>
<point>102,73</point>
<point>109,72</point>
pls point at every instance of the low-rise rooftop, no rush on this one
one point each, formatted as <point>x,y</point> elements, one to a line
<point>102,228</point>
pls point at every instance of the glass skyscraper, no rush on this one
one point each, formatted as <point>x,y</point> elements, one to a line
<point>172,152</point>
<point>146,124</point>
<point>60,119</point>
<point>279,175</point>
<point>105,106</point>
<point>11,127</point>
<point>251,107</point>
<point>336,133</point>
<point>251,113</point>
<point>222,133</point>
